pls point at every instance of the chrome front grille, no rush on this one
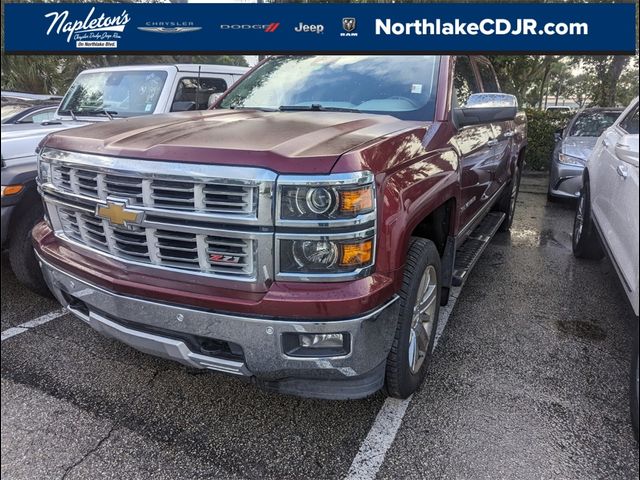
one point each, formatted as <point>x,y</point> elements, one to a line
<point>159,193</point>
<point>165,248</point>
<point>213,220</point>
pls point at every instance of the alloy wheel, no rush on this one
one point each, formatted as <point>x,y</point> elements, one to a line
<point>579,222</point>
<point>423,319</point>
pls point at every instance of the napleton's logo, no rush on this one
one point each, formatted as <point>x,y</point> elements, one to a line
<point>118,213</point>
<point>102,27</point>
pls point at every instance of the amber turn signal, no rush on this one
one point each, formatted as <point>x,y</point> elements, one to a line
<point>9,190</point>
<point>356,201</point>
<point>355,254</point>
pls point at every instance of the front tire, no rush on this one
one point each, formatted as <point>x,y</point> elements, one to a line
<point>21,255</point>
<point>585,242</point>
<point>418,319</point>
<point>507,203</point>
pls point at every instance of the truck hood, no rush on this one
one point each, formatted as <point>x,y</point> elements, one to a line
<point>579,147</point>
<point>288,142</point>
<point>22,139</point>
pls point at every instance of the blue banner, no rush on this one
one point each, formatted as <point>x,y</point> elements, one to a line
<point>118,28</point>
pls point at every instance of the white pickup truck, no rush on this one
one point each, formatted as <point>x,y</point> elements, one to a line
<point>96,95</point>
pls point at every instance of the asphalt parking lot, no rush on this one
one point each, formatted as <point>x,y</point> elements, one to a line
<point>528,381</point>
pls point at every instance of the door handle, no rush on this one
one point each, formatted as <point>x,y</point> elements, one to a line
<point>605,143</point>
<point>509,134</point>
<point>492,143</point>
<point>622,171</point>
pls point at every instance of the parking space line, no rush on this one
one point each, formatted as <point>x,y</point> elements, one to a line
<point>24,327</point>
<point>370,456</point>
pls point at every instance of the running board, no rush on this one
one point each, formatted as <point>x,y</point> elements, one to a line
<point>469,252</point>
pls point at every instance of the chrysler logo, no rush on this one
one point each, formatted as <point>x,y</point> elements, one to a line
<point>169,29</point>
<point>118,214</point>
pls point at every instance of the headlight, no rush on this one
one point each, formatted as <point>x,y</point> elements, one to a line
<point>325,256</point>
<point>309,209</point>
<point>324,200</point>
<point>570,160</point>
<point>44,170</point>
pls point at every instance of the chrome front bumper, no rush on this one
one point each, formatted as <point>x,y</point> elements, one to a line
<point>156,328</point>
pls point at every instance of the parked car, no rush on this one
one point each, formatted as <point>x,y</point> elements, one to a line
<point>607,215</point>
<point>303,233</point>
<point>7,96</point>
<point>573,148</point>
<point>559,108</point>
<point>16,112</point>
<point>95,96</point>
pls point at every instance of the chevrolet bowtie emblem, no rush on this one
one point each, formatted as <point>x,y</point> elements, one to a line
<point>118,214</point>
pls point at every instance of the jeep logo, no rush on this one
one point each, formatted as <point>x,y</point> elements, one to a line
<point>305,28</point>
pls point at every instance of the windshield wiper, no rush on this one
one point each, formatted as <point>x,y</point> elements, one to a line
<point>98,111</point>
<point>70,113</point>
<point>315,107</point>
<point>262,109</point>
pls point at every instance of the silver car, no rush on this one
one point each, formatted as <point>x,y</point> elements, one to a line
<point>573,147</point>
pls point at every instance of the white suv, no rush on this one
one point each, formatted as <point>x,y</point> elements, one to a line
<point>607,214</point>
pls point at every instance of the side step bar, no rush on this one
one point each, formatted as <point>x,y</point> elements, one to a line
<point>469,252</point>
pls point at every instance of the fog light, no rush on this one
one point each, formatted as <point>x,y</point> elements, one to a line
<point>316,344</point>
<point>327,340</point>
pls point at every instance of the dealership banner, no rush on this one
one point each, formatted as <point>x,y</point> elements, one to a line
<point>97,28</point>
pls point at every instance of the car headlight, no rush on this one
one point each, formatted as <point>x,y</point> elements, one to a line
<point>307,207</point>
<point>570,160</point>
<point>327,199</point>
<point>325,255</point>
<point>44,170</point>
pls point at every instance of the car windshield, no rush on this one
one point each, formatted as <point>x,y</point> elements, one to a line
<point>592,124</point>
<point>402,86</point>
<point>114,94</point>
<point>12,109</point>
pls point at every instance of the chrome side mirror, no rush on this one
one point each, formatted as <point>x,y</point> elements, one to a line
<point>486,108</point>
<point>491,100</point>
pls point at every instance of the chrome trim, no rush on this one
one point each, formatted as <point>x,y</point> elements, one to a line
<point>261,178</point>
<point>325,277</point>
<point>335,179</point>
<point>260,338</point>
<point>257,264</point>
<point>164,347</point>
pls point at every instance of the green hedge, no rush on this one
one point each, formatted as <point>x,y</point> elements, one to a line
<point>541,127</point>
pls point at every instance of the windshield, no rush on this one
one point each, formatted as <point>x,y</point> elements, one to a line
<point>116,94</point>
<point>10,110</point>
<point>592,124</point>
<point>402,86</point>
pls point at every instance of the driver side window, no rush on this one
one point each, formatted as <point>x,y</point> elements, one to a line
<point>464,82</point>
<point>193,93</point>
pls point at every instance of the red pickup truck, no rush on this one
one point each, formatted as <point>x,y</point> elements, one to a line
<point>303,233</point>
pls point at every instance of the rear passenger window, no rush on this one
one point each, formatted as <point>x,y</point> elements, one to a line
<point>464,82</point>
<point>191,95</point>
<point>488,77</point>
<point>630,122</point>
